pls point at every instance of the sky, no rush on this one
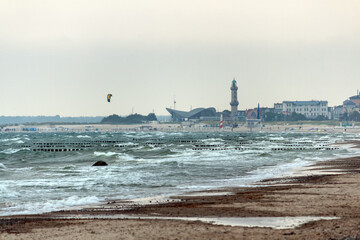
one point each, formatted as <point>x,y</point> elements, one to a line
<point>64,57</point>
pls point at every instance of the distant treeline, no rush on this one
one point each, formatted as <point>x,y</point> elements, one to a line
<point>48,119</point>
<point>131,119</point>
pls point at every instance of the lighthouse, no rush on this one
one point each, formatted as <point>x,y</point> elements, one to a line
<point>234,102</point>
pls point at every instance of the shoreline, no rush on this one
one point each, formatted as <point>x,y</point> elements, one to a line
<point>175,127</point>
<point>333,195</point>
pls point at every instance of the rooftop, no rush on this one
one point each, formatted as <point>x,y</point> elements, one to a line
<point>356,97</point>
<point>348,102</point>
<point>312,103</point>
<point>197,111</point>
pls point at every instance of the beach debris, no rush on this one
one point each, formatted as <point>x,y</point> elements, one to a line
<point>100,163</point>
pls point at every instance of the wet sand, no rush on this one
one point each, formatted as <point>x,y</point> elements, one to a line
<point>328,189</point>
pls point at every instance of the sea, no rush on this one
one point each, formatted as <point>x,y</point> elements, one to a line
<point>43,172</point>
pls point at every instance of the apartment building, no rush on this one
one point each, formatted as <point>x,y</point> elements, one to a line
<point>310,109</point>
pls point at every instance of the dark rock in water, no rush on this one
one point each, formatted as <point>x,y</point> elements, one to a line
<point>100,163</point>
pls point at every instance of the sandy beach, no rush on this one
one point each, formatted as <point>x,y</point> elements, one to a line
<point>319,202</point>
<point>180,120</point>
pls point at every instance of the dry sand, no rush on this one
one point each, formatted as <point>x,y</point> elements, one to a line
<point>320,195</point>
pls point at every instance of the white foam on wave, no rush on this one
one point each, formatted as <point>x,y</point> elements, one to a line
<point>9,139</point>
<point>10,151</point>
<point>42,206</point>
<point>249,151</point>
<point>182,153</point>
<point>209,154</point>
<point>128,144</point>
<point>176,134</point>
<point>254,176</point>
<point>268,222</point>
<point>2,166</point>
<point>281,170</point>
<point>107,154</point>
<point>126,157</point>
<point>144,135</point>
<point>83,136</point>
<point>276,138</point>
<point>7,192</point>
<point>220,140</point>
<point>122,156</point>
<point>294,167</point>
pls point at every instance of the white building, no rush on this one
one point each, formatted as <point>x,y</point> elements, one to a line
<point>310,109</point>
<point>337,112</point>
<point>278,107</point>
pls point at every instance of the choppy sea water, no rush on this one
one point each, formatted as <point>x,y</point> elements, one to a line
<point>42,172</point>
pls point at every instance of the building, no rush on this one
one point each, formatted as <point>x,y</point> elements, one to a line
<point>253,117</point>
<point>349,106</point>
<point>310,109</point>
<point>241,115</point>
<point>255,113</point>
<point>337,112</point>
<point>251,114</point>
<point>195,114</point>
<point>278,107</point>
<point>234,102</point>
<point>356,99</point>
<point>352,104</point>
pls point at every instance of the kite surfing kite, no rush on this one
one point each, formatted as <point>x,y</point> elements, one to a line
<point>109,97</point>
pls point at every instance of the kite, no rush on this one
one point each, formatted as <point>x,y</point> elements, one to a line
<point>109,97</point>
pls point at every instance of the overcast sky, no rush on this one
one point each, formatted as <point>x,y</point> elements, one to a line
<point>64,57</point>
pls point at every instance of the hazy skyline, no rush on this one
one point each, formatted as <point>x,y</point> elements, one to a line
<point>64,57</point>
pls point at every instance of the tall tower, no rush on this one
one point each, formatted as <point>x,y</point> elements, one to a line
<point>234,102</point>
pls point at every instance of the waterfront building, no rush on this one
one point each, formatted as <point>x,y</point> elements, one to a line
<point>278,107</point>
<point>337,112</point>
<point>195,114</point>
<point>252,114</point>
<point>349,106</point>
<point>256,112</point>
<point>356,99</point>
<point>253,118</point>
<point>310,109</point>
<point>352,104</point>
